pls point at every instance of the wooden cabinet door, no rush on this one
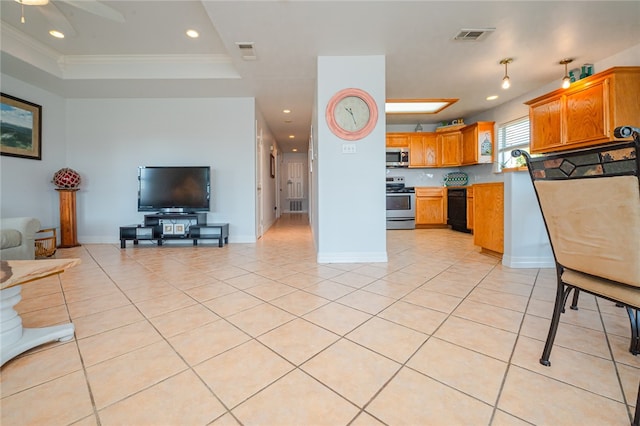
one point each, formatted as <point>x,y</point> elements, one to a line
<point>488,220</point>
<point>450,145</point>
<point>587,114</point>
<point>469,145</point>
<point>397,140</point>
<point>431,206</point>
<point>431,153</point>
<point>545,119</point>
<point>416,151</point>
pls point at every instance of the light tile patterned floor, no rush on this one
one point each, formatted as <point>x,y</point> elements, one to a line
<point>260,334</point>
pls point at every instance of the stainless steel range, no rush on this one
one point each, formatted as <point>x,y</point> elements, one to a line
<point>401,200</point>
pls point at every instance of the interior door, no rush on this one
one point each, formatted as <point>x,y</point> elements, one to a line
<point>295,186</point>
<point>260,179</point>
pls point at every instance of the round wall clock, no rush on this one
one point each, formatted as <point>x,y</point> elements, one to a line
<point>352,114</point>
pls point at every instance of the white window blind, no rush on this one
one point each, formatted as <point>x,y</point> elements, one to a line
<point>512,135</point>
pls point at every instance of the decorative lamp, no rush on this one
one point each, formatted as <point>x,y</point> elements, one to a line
<point>566,80</point>
<point>66,178</point>
<point>506,81</point>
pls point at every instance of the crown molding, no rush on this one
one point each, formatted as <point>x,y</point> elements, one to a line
<point>92,67</point>
<point>29,50</point>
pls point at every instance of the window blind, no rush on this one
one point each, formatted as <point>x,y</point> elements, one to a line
<point>513,134</point>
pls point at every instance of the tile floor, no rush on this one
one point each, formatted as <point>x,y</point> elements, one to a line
<point>259,334</point>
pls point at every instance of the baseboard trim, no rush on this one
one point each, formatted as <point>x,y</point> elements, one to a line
<point>528,262</point>
<point>376,257</point>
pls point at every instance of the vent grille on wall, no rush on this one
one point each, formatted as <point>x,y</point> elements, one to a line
<point>295,205</point>
<point>473,34</point>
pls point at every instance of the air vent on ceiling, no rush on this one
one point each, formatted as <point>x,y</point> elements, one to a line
<point>247,51</point>
<point>473,34</point>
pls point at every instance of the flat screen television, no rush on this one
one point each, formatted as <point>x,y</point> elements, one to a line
<point>169,189</point>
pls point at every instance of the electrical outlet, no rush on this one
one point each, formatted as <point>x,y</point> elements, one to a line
<point>349,148</point>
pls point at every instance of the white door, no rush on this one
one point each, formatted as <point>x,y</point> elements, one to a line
<point>259,183</point>
<point>295,186</point>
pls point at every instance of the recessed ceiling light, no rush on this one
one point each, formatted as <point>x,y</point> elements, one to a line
<point>492,97</point>
<point>56,34</point>
<point>286,111</point>
<point>295,150</point>
<point>292,136</point>
<point>417,106</point>
<point>192,34</point>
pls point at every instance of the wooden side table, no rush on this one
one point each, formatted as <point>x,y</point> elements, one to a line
<point>46,242</point>
<point>68,224</point>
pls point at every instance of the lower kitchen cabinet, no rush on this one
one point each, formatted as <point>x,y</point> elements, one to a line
<point>431,206</point>
<point>488,216</point>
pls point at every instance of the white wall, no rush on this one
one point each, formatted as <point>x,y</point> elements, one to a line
<point>351,195</point>
<point>26,188</point>
<point>108,139</point>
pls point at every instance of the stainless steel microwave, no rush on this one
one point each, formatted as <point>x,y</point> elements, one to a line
<point>398,157</point>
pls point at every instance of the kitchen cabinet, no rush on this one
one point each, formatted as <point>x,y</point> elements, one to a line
<point>488,216</point>
<point>587,112</point>
<point>470,207</point>
<point>449,142</point>
<point>397,140</point>
<point>478,143</point>
<point>423,150</point>
<point>431,206</point>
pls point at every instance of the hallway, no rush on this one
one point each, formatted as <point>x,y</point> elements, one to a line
<point>260,334</point>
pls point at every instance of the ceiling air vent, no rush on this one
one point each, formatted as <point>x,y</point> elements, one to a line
<point>247,51</point>
<point>473,34</point>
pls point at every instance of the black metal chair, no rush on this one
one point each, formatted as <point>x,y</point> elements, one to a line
<point>590,203</point>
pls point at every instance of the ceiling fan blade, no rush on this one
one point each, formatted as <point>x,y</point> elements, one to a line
<point>96,8</point>
<point>57,19</point>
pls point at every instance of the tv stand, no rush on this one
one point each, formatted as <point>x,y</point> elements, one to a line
<point>175,226</point>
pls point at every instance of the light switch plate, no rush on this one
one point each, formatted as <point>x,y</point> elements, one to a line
<point>349,148</point>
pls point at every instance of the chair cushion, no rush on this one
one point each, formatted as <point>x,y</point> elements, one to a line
<point>628,295</point>
<point>10,238</point>
<point>594,225</point>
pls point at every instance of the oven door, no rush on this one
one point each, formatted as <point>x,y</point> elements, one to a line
<point>401,210</point>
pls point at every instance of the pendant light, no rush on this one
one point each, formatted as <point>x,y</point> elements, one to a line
<point>506,81</point>
<point>566,80</point>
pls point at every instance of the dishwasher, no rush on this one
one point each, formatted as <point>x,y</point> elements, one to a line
<point>457,209</point>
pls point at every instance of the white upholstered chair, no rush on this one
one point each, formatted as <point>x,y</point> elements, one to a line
<point>590,202</point>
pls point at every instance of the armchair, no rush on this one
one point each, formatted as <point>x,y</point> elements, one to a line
<point>17,238</point>
<point>590,203</point>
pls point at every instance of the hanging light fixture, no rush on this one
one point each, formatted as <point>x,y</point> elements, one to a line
<point>30,3</point>
<point>506,81</point>
<point>566,80</point>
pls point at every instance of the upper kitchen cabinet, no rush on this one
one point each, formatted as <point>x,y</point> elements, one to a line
<point>586,113</point>
<point>397,140</point>
<point>450,145</point>
<point>478,141</point>
<point>423,150</point>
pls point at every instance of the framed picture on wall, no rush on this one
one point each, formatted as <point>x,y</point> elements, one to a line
<point>20,127</point>
<point>273,165</point>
